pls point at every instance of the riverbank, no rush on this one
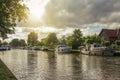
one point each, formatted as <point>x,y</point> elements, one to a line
<point>5,73</point>
<point>117,53</point>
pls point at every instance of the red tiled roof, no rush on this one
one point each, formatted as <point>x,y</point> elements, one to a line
<point>110,32</point>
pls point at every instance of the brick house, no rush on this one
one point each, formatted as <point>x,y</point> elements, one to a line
<point>110,34</point>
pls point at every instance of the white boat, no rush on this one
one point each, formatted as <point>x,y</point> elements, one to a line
<point>7,47</point>
<point>3,48</point>
<point>96,49</point>
<point>44,48</point>
<point>62,49</point>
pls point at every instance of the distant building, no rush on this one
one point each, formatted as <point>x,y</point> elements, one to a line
<point>110,35</point>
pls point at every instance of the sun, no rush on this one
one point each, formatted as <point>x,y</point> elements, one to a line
<point>36,11</point>
<point>36,8</point>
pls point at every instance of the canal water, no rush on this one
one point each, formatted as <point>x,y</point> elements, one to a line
<point>39,65</point>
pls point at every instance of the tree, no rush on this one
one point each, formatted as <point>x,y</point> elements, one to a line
<point>92,39</point>
<point>15,43</point>
<point>70,40</point>
<point>75,40</point>
<point>51,40</point>
<point>22,43</point>
<point>5,43</point>
<point>0,43</point>
<point>63,40</point>
<point>107,43</point>
<point>32,39</point>
<point>44,41</point>
<point>117,42</point>
<point>38,43</point>
<point>11,12</point>
<point>18,43</point>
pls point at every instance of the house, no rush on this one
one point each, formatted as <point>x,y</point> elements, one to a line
<point>110,34</point>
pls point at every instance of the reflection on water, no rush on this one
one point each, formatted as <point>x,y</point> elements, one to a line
<point>38,65</point>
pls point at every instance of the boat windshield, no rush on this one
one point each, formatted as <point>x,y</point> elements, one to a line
<point>97,45</point>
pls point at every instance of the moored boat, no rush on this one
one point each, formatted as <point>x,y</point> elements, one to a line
<point>62,49</point>
<point>3,48</point>
<point>96,49</point>
<point>44,48</point>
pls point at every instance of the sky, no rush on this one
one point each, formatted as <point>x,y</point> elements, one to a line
<point>63,16</point>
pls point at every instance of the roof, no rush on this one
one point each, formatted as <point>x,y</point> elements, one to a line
<point>109,32</point>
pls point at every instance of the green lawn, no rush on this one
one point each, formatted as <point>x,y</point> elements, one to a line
<point>5,73</point>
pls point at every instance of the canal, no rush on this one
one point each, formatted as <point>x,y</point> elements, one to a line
<point>39,65</point>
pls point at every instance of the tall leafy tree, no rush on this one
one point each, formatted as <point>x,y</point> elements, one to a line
<point>11,12</point>
<point>75,40</point>
<point>22,43</point>
<point>15,43</point>
<point>51,40</point>
<point>63,40</point>
<point>32,39</point>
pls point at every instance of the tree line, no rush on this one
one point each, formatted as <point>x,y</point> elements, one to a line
<point>75,40</point>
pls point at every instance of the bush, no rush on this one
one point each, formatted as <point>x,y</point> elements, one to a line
<point>107,43</point>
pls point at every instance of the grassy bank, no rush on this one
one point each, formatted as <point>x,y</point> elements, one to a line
<point>5,73</point>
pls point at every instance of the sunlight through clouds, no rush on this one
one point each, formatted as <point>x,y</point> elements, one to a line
<point>37,8</point>
<point>63,16</point>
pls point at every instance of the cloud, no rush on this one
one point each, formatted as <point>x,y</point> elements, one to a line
<point>75,13</point>
<point>43,31</point>
<point>30,22</point>
<point>92,29</point>
<point>66,15</point>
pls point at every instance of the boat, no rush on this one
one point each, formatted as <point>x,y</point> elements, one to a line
<point>97,49</point>
<point>3,48</point>
<point>62,49</point>
<point>36,48</point>
<point>44,48</point>
<point>29,48</point>
<point>8,47</point>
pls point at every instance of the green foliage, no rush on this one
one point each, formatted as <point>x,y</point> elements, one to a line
<point>62,40</point>
<point>70,40</point>
<point>5,43</point>
<point>107,43</point>
<point>15,43</point>
<point>43,42</point>
<point>75,40</point>
<point>5,73</point>
<point>51,40</point>
<point>22,43</point>
<point>32,39</point>
<point>18,43</point>
<point>0,43</point>
<point>38,43</point>
<point>11,12</point>
<point>92,39</point>
<point>117,42</point>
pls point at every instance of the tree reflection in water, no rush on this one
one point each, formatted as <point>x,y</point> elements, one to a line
<point>38,65</point>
